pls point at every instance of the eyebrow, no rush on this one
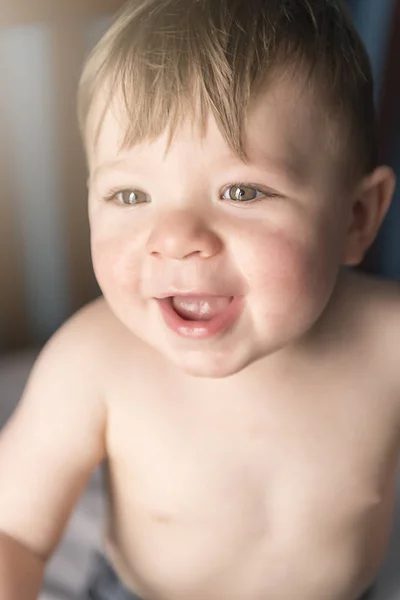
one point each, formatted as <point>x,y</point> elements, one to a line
<point>295,169</point>
<point>108,166</point>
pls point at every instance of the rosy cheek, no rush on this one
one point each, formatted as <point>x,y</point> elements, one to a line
<point>113,265</point>
<point>283,273</point>
<point>273,259</point>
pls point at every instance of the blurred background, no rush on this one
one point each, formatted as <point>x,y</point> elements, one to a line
<point>45,265</point>
<point>378,21</point>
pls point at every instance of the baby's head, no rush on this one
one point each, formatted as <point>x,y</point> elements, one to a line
<point>232,151</point>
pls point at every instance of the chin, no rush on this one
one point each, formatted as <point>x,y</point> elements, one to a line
<point>210,365</point>
<point>207,371</point>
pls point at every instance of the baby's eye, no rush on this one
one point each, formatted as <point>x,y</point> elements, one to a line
<point>244,193</point>
<point>128,197</point>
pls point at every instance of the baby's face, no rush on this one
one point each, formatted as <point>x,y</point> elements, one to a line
<point>269,233</point>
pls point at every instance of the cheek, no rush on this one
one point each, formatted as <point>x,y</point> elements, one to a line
<point>286,274</point>
<point>115,265</point>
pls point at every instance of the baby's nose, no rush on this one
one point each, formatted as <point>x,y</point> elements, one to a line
<point>181,234</point>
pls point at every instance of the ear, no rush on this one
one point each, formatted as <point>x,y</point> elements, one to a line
<point>368,208</point>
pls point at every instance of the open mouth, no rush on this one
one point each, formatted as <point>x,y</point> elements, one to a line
<point>197,317</point>
<point>199,309</point>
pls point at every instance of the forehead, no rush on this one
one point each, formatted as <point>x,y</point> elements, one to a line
<point>283,125</point>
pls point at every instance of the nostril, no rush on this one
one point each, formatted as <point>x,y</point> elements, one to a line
<point>183,240</point>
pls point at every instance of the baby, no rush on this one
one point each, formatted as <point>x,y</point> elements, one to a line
<point>237,377</point>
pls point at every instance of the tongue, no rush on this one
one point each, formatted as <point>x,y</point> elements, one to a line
<point>200,309</point>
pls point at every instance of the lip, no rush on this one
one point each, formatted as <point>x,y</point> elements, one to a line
<point>200,330</point>
<point>171,293</point>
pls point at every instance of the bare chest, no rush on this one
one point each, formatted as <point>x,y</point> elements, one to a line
<point>235,498</point>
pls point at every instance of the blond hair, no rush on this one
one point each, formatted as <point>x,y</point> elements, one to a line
<point>169,59</point>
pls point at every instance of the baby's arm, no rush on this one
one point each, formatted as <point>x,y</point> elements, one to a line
<point>48,449</point>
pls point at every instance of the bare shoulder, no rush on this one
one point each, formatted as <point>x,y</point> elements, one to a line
<point>62,419</point>
<point>77,343</point>
<point>74,363</point>
<point>119,360</point>
<point>91,335</point>
<point>66,378</point>
<point>91,323</point>
<point>374,294</point>
<point>110,340</point>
